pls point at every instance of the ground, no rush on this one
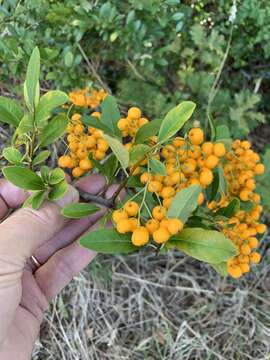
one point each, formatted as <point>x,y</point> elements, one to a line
<point>159,307</point>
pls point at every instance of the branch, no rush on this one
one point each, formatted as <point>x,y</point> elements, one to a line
<point>108,203</point>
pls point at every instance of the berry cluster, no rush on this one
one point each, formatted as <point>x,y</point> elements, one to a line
<point>130,125</point>
<point>188,162</point>
<point>87,98</point>
<point>81,144</point>
<point>159,226</point>
<point>242,165</point>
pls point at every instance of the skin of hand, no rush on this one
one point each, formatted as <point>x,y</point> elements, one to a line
<point>24,294</point>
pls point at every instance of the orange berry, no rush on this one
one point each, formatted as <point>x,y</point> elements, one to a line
<point>81,153</point>
<point>132,208</point>
<point>167,192</point>
<point>259,169</point>
<point>244,194</point>
<point>152,225</point>
<point>73,146</point>
<point>145,177</point>
<point>90,141</point>
<point>206,177</point>
<point>200,198</point>
<point>143,121</point>
<point>161,235</point>
<point>78,129</point>
<point>250,184</point>
<point>245,249</point>
<point>243,259</point>
<point>196,136</point>
<point>140,236</point>
<point>174,226</point>
<point>102,145</point>
<point>235,271</point>
<point>99,155</point>
<point>167,202</point>
<point>65,161</point>
<point>134,113</point>
<point>159,212</point>
<point>244,267</point>
<point>118,215</point>
<point>207,148</point>
<point>154,186</point>
<point>124,226</point>
<point>178,142</point>
<point>189,166</point>
<point>86,164</point>
<point>77,172</point>
<point>194,152</point>
<point>261,228</point>
<point>219,149</point>
<point>76,117</point>
<point>255,257</point>
<point>211,161</point>
<point>245,144</point>
<point>134,223</point>
<point>96,114</point>
<point>253,242</point>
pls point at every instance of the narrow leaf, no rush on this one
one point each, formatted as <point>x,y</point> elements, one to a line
<point>157,167</point>
<point>94,122</point>
<point>184,203</point>
<point>137,153</point>
<point>37,199</point>
<point>31,85</point>
<point>54,130</point>
<point>119,150</point>
<point>230,210</point>
<point>79,210</point>
<point>41,157</point>
<point>108,241</point>
<point>23,178</point>
<point>175,119</point>
<point>206,245</point>
<point>147,130</point>
<point>110,114</point>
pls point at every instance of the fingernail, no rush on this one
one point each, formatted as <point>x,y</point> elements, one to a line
<point>71,196</point>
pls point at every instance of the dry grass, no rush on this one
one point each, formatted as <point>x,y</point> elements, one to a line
<point>167,307</point>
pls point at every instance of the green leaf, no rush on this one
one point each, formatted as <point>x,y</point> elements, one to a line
<point>31,85</point>
<point>48,103</point>
<point>223,186</point>
<point>79,210</point>
<point>206,245</point>
<point>147,130</point>
<point>37,199</point>
<point>110,167</point>
<point>57,175</point>
<point>221,268</point>
<point>212,190</point>
<point>157,167</point>
<point>23,178</point>
<point>229,210</point>
<point>68,59</point>
<point>175,119</point>
<point>12,155</point>
<point>108,241</point>
<point>137,153</point>
<point>58,190</point>
<point>246,205</point>
<point>96,123</point>
<point>184,203</point>
<point>54,130</point>
<point>134,182</point>
<point>110,115</point>
<point>45,173</point>
<point>26,124</point>
<point>222,134</point>
<point>10,111</point>
<point>41,157</point>
<point>119,150</point>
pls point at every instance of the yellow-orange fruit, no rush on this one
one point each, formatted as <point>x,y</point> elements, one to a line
<point>64,161</point>
<point>152,225</point>
<point>207,148</point>
<point>134,113</point>
<point>161,235</point>
<point>159,212</point>
<point>261,228</point>
<point>211,161</point>
<point>259,169</point>
<point>154,186</point>
<point>206,177</point>
<point>132,208</point>
<point>235,271</point>
<point>123,226</point>
<point>174,226</point>
<point>140,236</point>
<point>255,257</point>
<point>118,215</point>
<point>196,136</point>
<point>77,172</point>
<point>219,149</point>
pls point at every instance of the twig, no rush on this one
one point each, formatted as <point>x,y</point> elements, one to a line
<point>92,70</point>
<point>109,203</point>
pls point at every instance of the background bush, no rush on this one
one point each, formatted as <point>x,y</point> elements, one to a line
<point>152,53</point>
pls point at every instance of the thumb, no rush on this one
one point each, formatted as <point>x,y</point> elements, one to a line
<point>27,229</point>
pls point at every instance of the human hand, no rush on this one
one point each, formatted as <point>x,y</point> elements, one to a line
<point>24,293</point>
